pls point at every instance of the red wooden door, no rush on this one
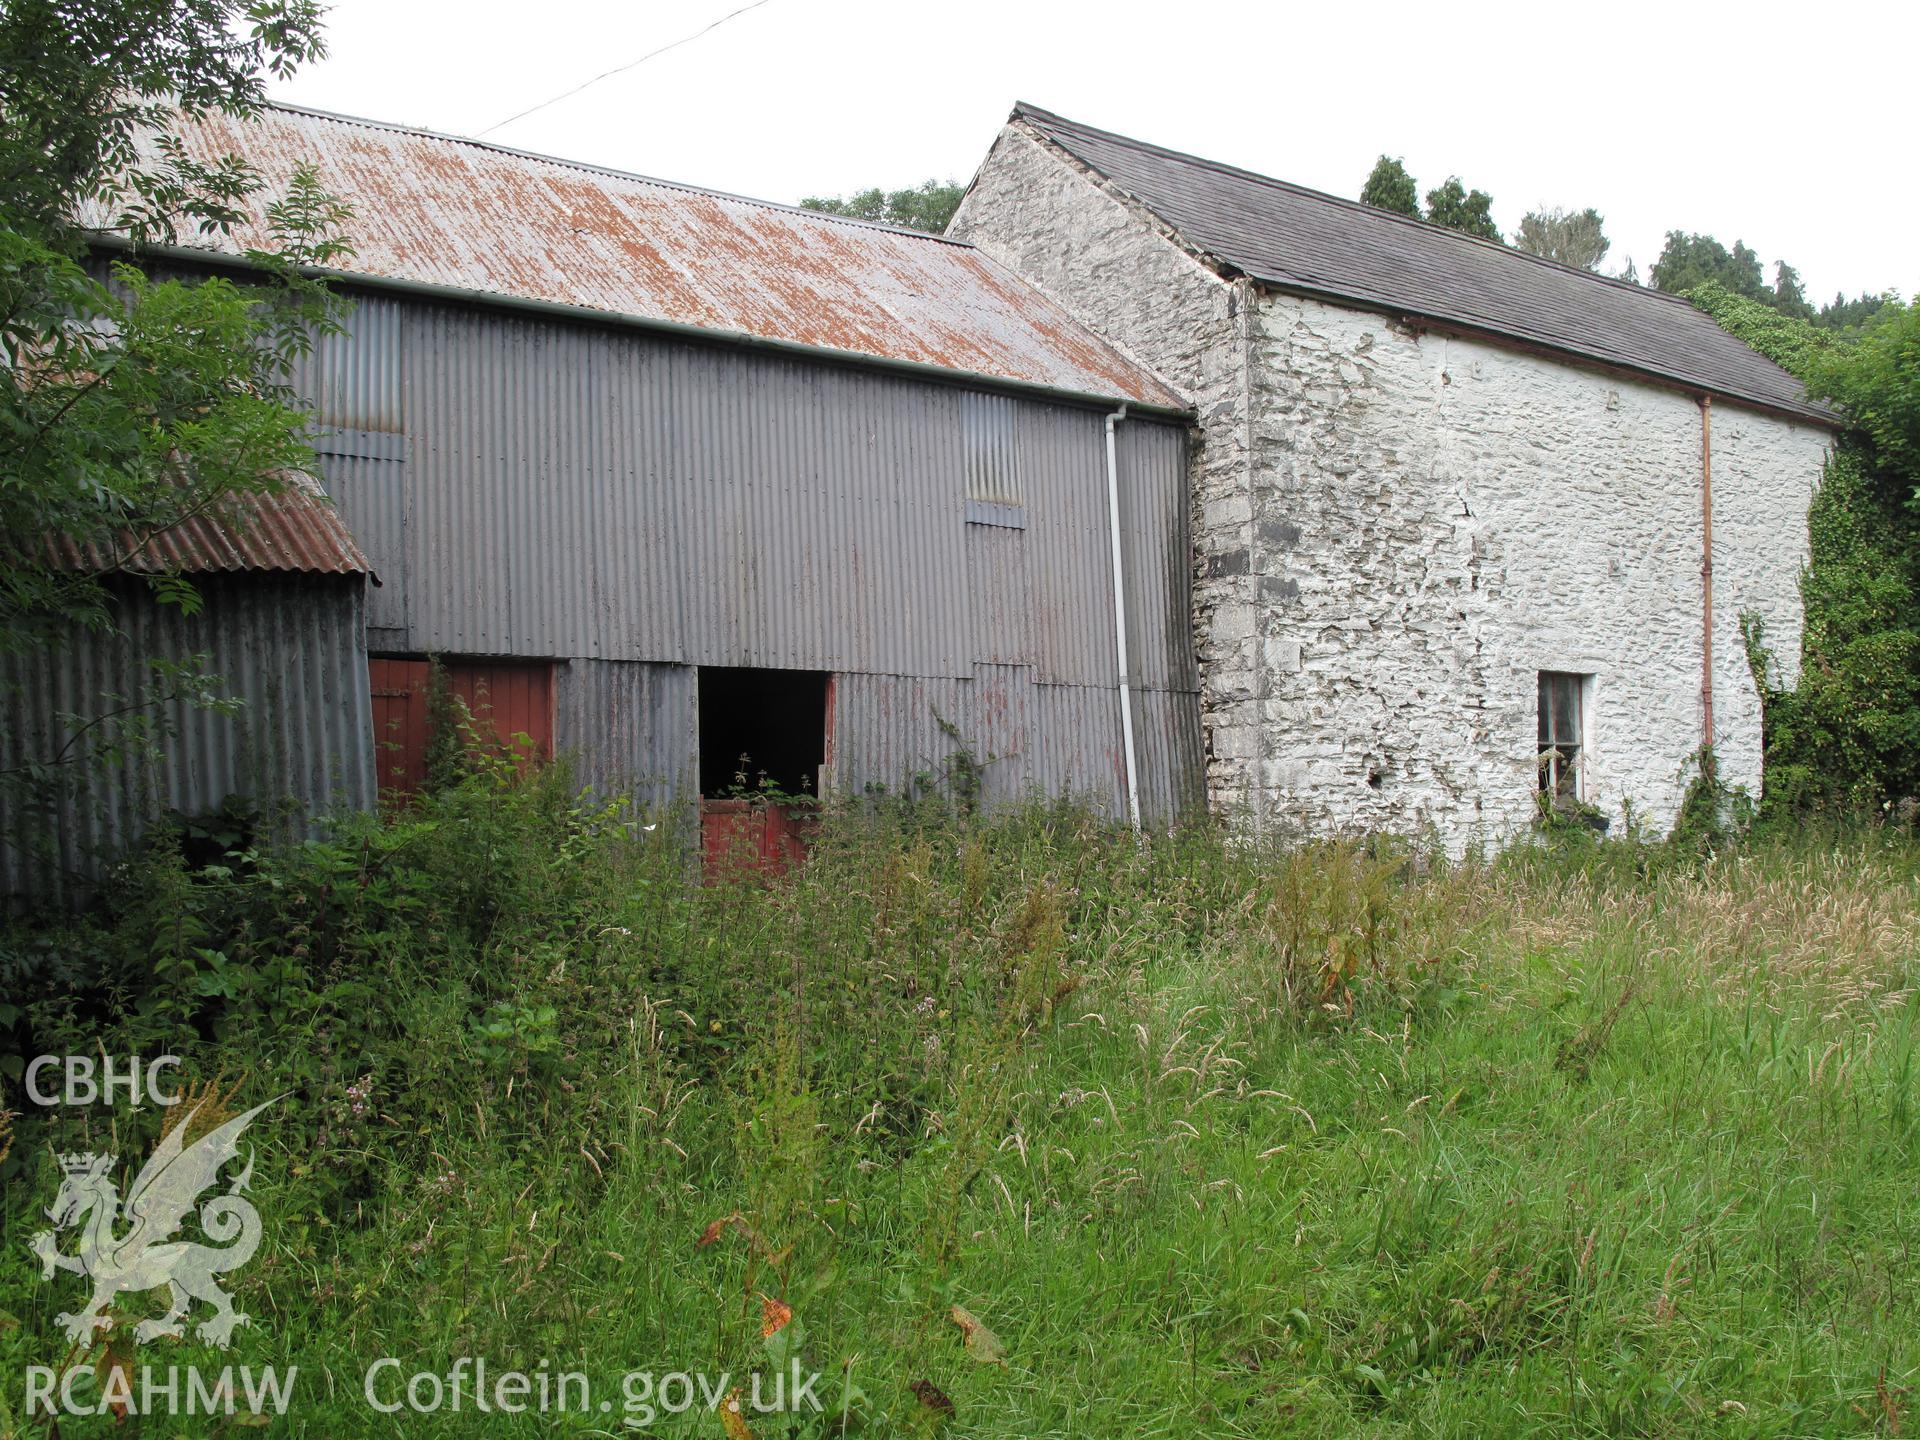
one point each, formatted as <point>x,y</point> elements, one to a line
<point>752,838</point>
<point>399,722</point>
<point>515,697</point>
<point>510,698</point>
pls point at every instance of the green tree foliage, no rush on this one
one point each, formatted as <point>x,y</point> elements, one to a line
<point>1847,315</point>
<point>80,82</point>
<point>1451,204</point>
<point>1390,187</point>
<point>129,404</point>
<point>927,206</point>
<point>1876,380</point>
<point>1789,295</point>
<point>1573,237</point>
<point>1848,734</point>
<point>1689,261</point>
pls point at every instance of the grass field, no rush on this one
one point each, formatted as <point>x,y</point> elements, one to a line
<point>1201,1140</point>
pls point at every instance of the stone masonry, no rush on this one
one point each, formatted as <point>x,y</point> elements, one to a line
<point>1396,530</point>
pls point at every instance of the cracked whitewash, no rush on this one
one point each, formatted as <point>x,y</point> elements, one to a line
<point>1395,531</point>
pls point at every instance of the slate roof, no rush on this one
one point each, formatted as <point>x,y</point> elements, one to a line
<point>486,221</point>
<point>1305,241</point>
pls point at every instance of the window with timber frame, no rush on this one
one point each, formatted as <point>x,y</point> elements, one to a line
<point>1563,749</point>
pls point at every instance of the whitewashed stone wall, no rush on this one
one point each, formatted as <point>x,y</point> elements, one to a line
<point>1471,515</point>
<point>1417,525</point>
<point>1764,474</point>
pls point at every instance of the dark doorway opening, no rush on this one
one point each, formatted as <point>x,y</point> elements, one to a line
<point>762,730</point>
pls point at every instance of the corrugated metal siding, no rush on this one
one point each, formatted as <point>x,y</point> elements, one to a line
<point>576,492</point>
<point>296,529</point>
<point>1171,753</point>
<point>1081,750</point>
<point>630,729</point>
<point>292,649</point>
<point>999,724</point>
<point>636,506</point>
<point>1157,556</point>
<point>1070,564</point>
<point>822,519</point>
<point>999,595</point>
<point>604,496</point>
<point>1035,740</point>
<point>992,433</point>
<point>1079,753</point>
<point>357,381</point>
<point>371,495</point>
<point>885,730</point>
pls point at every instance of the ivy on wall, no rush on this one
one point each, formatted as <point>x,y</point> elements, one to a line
<point>1846,736</point>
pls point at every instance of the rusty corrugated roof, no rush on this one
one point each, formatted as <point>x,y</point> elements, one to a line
<point>435,210</point>
<point>294,529</point>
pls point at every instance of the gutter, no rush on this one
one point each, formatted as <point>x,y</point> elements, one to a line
<point>1706,583</point>
<point>1559,353</point>
<point>1120,621</point>
<point>1257,789</point>
<point>589,315</point>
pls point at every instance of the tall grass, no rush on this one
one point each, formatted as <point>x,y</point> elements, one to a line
<point>1210,1139</point>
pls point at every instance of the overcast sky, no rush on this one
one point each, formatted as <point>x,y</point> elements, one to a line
<point>1787,127</point>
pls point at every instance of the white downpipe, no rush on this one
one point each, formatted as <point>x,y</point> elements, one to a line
<point>1120,620</point>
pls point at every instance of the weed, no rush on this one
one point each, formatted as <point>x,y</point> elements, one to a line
<point>1018,1124</point>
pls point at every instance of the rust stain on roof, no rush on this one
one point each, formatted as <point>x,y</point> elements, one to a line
<point>434,210</point>
<point>294,529</point>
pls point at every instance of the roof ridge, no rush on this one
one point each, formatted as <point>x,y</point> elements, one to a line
<point>597,246</point>
<point>1024,110</point>
<point>587,167</point>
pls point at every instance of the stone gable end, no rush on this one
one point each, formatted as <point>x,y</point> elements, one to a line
<point>1397,530</point>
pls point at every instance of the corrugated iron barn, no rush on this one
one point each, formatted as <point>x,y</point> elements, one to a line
<point>282,624</point>
<point>666,477</point>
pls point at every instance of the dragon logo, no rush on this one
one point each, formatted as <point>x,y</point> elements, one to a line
<point>147,1256</point>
